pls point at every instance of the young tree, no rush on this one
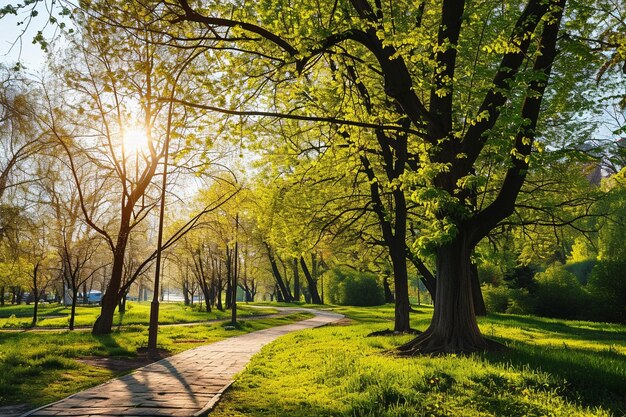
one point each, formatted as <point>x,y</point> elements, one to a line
<point>113,128</point>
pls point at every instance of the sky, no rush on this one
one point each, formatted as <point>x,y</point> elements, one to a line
<point>16,41</point>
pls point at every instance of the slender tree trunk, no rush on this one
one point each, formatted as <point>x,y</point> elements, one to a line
<point>477,294</point>
<point>186,292</point>
<point>35,311</point>
<point>315,296</point>
<point>206,291</point>
<point>73,309</point>
<point>286,295</point>
<point>121,305</point>
<point>219,298</point>
<point>85,295</point>
<point>229,278</point>
<point>296,280</point>
<point>36,294</point>
<point>453,328</point>
<point>388,294</point>
<point>233,311</point>
<point>2,295</point>
<point>401,286</point>
<point>104,323</point>
<point>426,276</point>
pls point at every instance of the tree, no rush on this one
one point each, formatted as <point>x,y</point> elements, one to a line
<point>473,107</point>
<point>478,88</point>
<point>19,140</point>
<point>113,130</point>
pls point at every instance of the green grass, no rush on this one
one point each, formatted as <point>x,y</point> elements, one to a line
<point>40,367</point>
<point>57,316</point>
<point>552,368</point>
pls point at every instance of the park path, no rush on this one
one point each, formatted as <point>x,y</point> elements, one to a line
<point>184,385</point>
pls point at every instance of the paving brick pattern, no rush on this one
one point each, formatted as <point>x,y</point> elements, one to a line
<point>182,385</point>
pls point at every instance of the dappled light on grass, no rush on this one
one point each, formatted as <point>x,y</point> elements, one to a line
<point>40,367</point>
<point>56,316</point>
<point>337,371</point>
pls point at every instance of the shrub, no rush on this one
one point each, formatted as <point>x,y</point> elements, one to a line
<point>347,286</point>
<point>521,302</point>
<point>581,269</point>
<point>608,288</point>
<point>521,277</point>
<point>496,298</point>
<point>559,294</point>
<point>489,273</point>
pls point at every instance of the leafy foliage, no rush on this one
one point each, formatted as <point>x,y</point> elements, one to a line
<point>347,286</point>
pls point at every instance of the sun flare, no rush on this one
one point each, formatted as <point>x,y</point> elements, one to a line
<point>135,140</point>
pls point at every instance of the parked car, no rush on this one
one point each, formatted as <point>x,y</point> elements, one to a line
<point>93,297</point>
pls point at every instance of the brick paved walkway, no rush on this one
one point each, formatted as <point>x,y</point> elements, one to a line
<point>182,385</point>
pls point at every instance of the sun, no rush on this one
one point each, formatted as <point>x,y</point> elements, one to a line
<point>135,140</point>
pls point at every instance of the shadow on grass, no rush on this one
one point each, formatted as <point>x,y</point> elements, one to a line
<point>562,328</point>
<point>589,378</point>
<point>26,310</point>
<point>110,347</point>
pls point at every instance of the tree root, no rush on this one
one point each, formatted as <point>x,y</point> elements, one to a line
<point>428,344</point>
<point>389,332</point>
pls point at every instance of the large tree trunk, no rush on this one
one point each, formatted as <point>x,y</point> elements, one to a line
<point>315,296</point>
<point>453,328</point>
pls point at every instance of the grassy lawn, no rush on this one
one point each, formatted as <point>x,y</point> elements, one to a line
<point>552,368</point>
<point>41,367</point>
<point>55,315</point>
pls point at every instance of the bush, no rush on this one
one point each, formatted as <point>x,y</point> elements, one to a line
<point>496,298</point>
<point>559,294</point>
<point>521,277</point>
<point>347,286</point>
<point>608,288</point>
<point>489,273</point>
<point>521,302</point>
<point>581,269</point>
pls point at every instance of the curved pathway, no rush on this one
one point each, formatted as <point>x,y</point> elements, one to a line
<point>187,384</point>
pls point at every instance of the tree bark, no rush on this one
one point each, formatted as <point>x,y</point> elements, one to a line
<point>401,285</point>
<point>454,328</point>
<point>73,309</point>
<point>35,294</point>
<point>296,280</point>
<point>388,294</point>
<point>286,295</point>
<point>427,278</point>
<point>229,277</point>
<point>121,305</point>
<point>477,294</point>
<point>315,296</point>
<point>104,323</point>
